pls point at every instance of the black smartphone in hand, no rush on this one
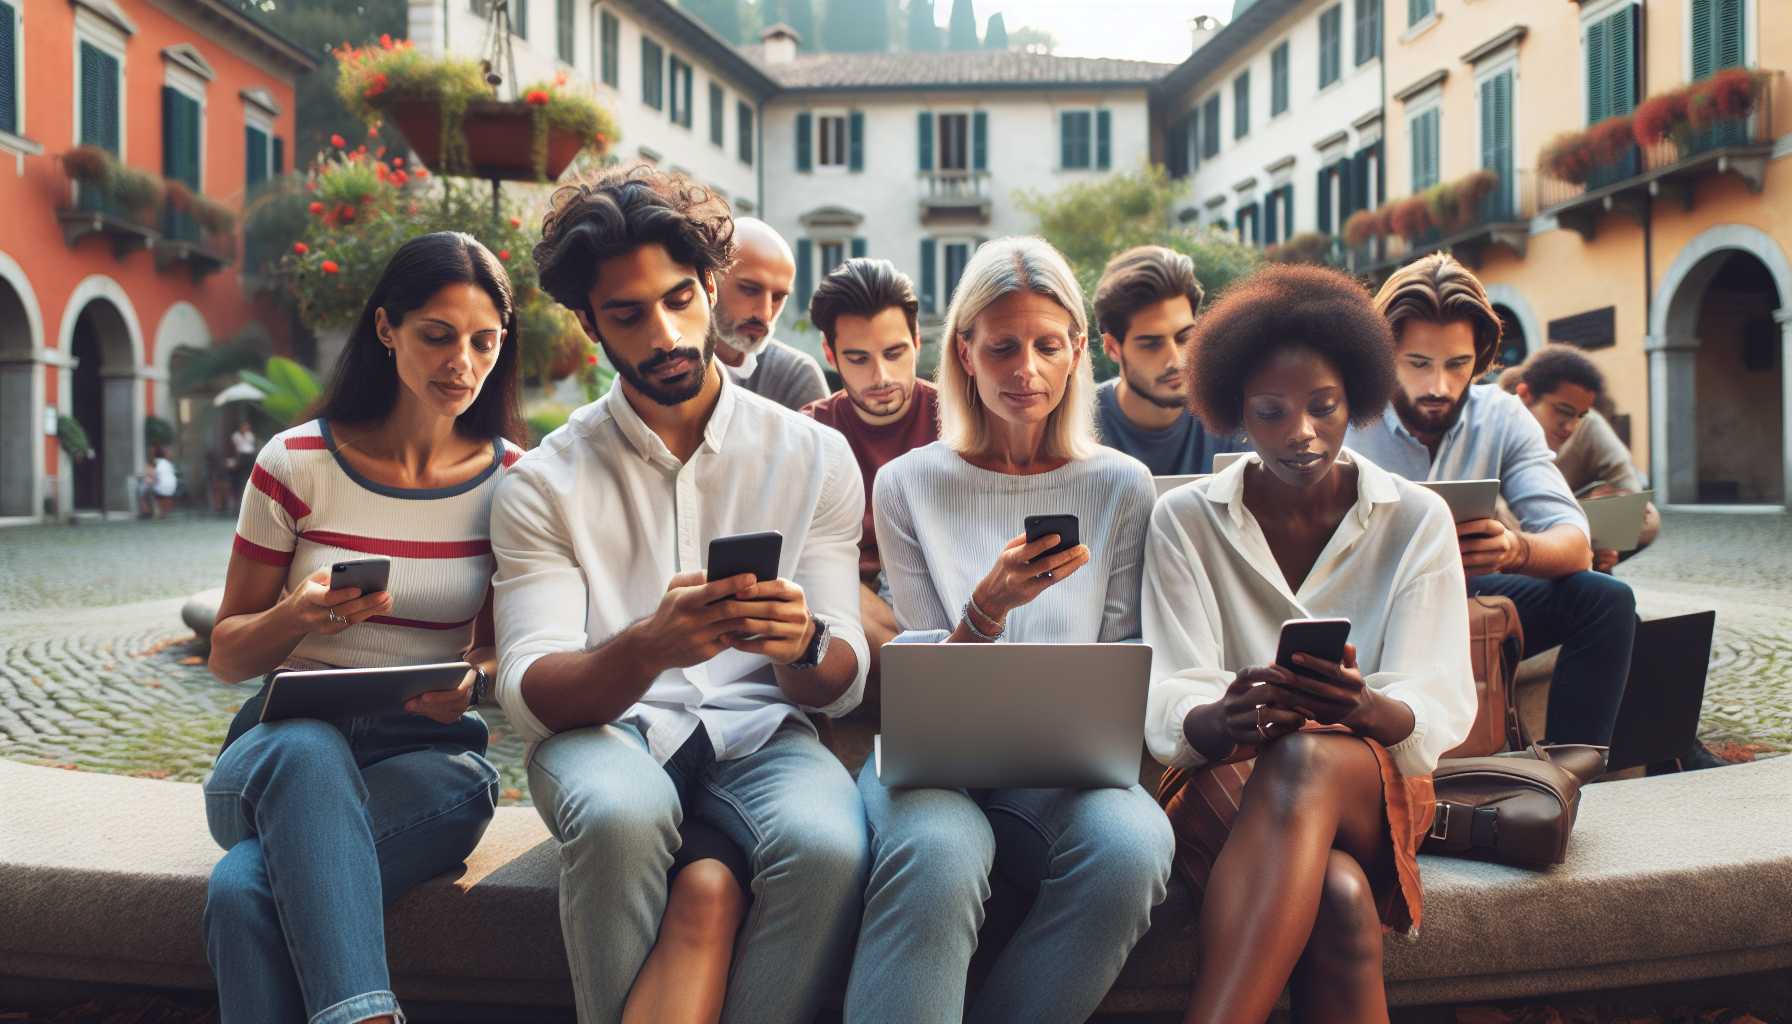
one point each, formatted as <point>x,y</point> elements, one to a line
<point>1320,638</point>
<point>753,553</point>
<point>1063,524</point>
<point>370,574</point>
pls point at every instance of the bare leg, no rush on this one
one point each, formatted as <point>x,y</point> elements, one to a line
<point>1339,977</point>
<point>686,976</point>
<point>1310,793</point>
<point>880,628</point>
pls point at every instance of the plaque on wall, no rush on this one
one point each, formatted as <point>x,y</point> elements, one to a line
<point>1593,329</point>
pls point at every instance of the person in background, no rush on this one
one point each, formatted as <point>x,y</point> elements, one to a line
<point>866,310</point>
<point>157,486</point>
<point>1441,426</point>
<point>1299,798</point>
<point>749,297</point>
<point>1016,439</point>
<point>651,696</point>
<point>326,823</point>
<point>1145,306</point>
<point>1562,388</point>
<point>243,446</point>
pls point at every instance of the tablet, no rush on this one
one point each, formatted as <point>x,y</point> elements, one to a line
<point>1166,484</point>
<point>343,692</point>
<point>1468,499</point>
<point>1223,459</point>
<point>1616,521</point>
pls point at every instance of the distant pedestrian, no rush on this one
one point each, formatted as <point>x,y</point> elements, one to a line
<point>243,446</point>
<point>155,490</point>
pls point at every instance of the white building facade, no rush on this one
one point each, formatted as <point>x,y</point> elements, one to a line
<point>1275,122</point>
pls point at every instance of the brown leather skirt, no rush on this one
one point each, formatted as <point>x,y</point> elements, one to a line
<point>1203,803</point>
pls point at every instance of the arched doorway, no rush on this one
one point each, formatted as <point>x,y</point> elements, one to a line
<point>105,398</point>
<point>1719,416</point>
<point>1514,346</point>
<point>21,447</point>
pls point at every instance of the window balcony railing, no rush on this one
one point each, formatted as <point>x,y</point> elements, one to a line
<point>1466,226</point>
<point>955,194</point>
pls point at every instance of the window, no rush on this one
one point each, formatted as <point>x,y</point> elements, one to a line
<point>563,30</point>
<point>743,128</point>
<point>1278,79</point>
<point>1241,105</point>
<point>1368,30</point>
<point>832,255</point>
<point>9,69</point>
<point>957,255</point>
<point>257,145</point>
<point>1422,130</point>
<point>99,111</point>
<point>1331,45</point>
<point>681,91</point>
<point>1496,141</point>
<point>652,74</point>
<point>718,113</point>
<point>182,129</point>
<point>1085,140</point>
<point>1716,33</point>
<point>519,18</point>
<point>1210,127</point>
<point>610,47</point>
<point>955,142</point>
<point>830,140</point>
<point>1611,65</point>
<point>1194,138</point>
<point>1419,10</point>
<point>1248,228</point>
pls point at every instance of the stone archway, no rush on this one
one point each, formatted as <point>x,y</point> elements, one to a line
<point>1720,397</point>
<point>1522,331</point>
<point>104,391</point>
<point>21,395</point>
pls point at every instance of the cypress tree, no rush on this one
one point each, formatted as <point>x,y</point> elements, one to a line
<point>923,33</point>
<point>962,33</point>
<point>996,36</point>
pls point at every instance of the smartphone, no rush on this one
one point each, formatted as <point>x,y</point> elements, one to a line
<point>1063,525</point>
<point>1321,638</point>
<point>1469,500</point>
<point>370,574</point>
<point>753,553</point>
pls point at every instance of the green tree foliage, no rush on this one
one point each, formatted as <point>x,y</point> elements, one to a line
<point>1091,221</point>
<point>1032,40</point>
<point>317,25</point>
<point>996,36</point>
<point>962,30</point>
<point>856,26</point>
<point>724,17</point>
<point>923,32</point>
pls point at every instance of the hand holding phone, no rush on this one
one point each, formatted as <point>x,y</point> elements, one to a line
<point>369,575</point>
<point>749,554</point>
<point>1041,527</point>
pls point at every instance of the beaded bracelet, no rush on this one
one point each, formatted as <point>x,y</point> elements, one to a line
<point>970,623</point>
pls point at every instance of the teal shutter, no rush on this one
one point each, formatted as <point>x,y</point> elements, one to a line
<point>9,69</point>
<point>805,134</point>
<point>929,290</point>
<point>858,248</point>
<point>924,139</point>
<point>1496,137</point>
<point>1622,67</point>
<point>856,142</point>
<point>1325,199</point>
<point>563,30</point>
<point>1104,137</point>
<point>1368,30</point>
<point>1717,36</point>
<point>717,113</point>
<point>1704,50</point>
<point>279,156</point>
<point>1278,73</point>
<point>805,274</point>
<point>1270,204</point>
<point>1729,30</point>
<point>1066,131</point>
<point>1599,102</point>
<point>257,148</point>
<point>979,140</point>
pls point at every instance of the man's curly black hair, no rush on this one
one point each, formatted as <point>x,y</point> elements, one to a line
<point>1282,307</point>
<point>620,211</point>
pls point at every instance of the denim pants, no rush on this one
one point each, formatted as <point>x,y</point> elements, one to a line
<point>1592,617</point>
<point>1097,859</point>
<point>324,824</point>
<point>790,806</point>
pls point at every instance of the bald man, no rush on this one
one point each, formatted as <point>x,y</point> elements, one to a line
<point>752,294</point>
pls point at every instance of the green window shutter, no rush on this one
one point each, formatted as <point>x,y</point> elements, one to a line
<point>1104,140</point>
<point>279,156</point>
<point>563,30</point>
<point>929,289</point>
<point>519,18</point>
<point>652,73</point>
<point>1598,71</point>
<point>979,140</point>
<point>805,274</point>
<point>9,69</point>
<point>1728,29</point>
<point>170,132</point>
<point>1066,128</point>
<point>257,143</point>
<point>924,139</point>
<point>743,116</point>
<point>805,131</point>
<point>1325,199</point>
<point>1704,50</point>
<point>1210,127</point>
<point>1368,30</point>
<point>90,96</point>
<point>717,113</point>
<point>858,248</point>
<point>610,37</point>
<point>1241,105</point>
<point>1270,204</point>
<point>1278,76</point>
<point>1331,45</point>
<point>855,143</point>
<point>1176,148</point>
<point>1621,37</point>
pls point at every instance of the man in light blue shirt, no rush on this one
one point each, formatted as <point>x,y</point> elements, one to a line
<point>1441,427</point>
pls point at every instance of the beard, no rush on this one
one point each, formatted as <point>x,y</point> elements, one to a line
<point>896,405</point>
<point>638,376</point>
<point>745,344</point>
<point>1427,421</point>
<point>1155,392</point>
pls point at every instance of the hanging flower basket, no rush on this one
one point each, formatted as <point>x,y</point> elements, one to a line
<point>1363,226</point>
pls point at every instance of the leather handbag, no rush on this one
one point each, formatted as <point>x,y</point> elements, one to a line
<point>1516,808</point>
<point>1496,645</point>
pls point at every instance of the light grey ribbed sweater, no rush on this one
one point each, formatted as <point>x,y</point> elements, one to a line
<point>941,522</point>
<point>788,376</point>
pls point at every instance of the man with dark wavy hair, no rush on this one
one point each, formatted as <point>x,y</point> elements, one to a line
<point>651,696</point>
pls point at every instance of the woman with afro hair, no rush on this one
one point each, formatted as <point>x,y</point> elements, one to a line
<point>1299,798</point>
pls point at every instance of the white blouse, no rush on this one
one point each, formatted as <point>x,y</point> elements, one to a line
<point>1215,601</point>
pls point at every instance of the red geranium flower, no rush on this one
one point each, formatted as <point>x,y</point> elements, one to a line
<point>385,40</point>
<point>600,140</point>
<point>537,98</point>
<point>399,178</point>
<point>375,87</point>
<point>397,161</point>
<point>329,267</point>
<point>338,141</point>
<point>591,359</point>
<point>301,248</point>
<point>345,213</point>
<point>317,208</point>
<point>421,172</point>
<point>373,131</point>
<point>516,222</point>
<point>504,254</point>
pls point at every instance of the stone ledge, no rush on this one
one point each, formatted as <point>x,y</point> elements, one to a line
<point>102,878</point>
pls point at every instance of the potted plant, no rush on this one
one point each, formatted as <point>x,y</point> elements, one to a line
<point>1306,247</point>
<point>1729,95</point>
<point>1362,227</point>
<point>1444,205</point>
<point>125,190</point>
<point>1660,117</point>
<point>1410,218</point>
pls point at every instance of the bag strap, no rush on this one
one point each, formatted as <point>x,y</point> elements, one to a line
<point>1457,827</point>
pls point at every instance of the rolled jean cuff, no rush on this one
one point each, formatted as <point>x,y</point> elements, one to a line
<point>365,1006</point>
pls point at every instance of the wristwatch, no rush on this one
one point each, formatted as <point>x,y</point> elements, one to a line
<point>818,646</point>
<point>482,688</point>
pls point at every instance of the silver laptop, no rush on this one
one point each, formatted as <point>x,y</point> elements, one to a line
<point>1012,715</point>
<point>1616,522</point>
<point>1166,484</point>
<point>1223,459</point>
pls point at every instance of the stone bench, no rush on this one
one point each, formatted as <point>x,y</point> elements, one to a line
<point>102,879</point>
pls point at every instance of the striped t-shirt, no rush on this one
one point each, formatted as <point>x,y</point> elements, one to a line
<point>306,507</point>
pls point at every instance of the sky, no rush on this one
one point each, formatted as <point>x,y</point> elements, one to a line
<point>1134,29</point>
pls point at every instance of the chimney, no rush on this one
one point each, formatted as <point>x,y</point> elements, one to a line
<point>1202,28</point>
<point>780,42</point>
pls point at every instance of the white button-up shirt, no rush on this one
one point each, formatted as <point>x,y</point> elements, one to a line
<point>1495,438</point>
<point>589,527</point>
<point>1215,601</point>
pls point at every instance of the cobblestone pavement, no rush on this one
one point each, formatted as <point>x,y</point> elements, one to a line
<point>97,672</point>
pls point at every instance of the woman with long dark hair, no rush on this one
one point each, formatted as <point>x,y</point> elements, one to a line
<point>326,822</point>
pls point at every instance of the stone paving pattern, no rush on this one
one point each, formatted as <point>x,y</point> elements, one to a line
<point>97,673</point>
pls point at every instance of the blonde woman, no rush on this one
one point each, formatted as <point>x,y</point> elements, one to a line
<point>1016,398</point>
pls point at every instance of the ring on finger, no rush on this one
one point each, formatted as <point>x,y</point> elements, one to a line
<point>1262,726</point>
<point>336,618</point>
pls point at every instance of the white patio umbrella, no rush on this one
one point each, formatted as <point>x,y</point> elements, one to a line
<point>241,391</point>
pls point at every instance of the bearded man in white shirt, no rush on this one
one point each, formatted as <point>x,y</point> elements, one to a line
<point>652,698</point>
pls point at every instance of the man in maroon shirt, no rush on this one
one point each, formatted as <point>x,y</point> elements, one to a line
<point>865,310</point>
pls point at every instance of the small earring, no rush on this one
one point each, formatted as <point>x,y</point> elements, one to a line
<point>392,353</point>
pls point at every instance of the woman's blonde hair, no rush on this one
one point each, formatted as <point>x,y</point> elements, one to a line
<point>999,269</point>
<point>1439,290</point>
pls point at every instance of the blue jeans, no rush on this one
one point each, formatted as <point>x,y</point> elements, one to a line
<point>1592,617</point>
<point>1098,860</point>
<point>790,805</point>
<point>323,826</point>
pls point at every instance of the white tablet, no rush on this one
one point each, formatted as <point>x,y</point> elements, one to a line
<point>1166,484</point>
<point>1468,499</point>
<point>1223,459</point>
<point>343,692</point>
<point>1616,521</point>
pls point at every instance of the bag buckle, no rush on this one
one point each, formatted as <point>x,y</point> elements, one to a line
<point>1440,823</point>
